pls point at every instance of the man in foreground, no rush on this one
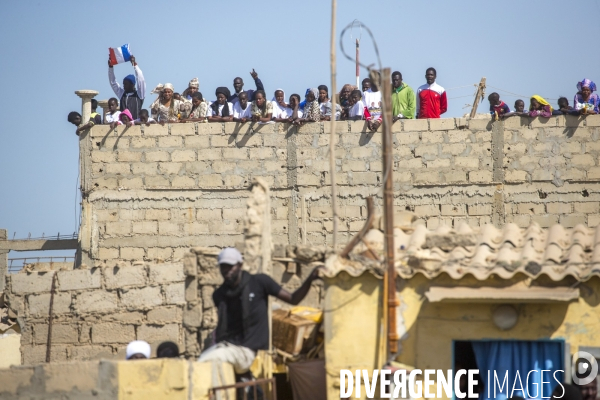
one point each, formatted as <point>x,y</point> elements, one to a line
<point>242,306</point>
<point>431,97</point>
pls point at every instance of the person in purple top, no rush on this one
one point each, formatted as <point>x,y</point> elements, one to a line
<point>586,101</point>
<point>539,107</point>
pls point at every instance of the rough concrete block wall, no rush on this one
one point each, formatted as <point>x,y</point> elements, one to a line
<point>156,191</point>
<point>98,311</point>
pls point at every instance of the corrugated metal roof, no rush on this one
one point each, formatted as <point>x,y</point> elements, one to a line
<point>556,252</point>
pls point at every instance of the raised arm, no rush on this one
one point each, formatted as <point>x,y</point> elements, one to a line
<point>139,77</point>
<point>113,82</point>
<point>299,295</point>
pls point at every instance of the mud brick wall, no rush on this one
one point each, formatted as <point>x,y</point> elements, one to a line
<point>97,311</point>
<point>151,193</point>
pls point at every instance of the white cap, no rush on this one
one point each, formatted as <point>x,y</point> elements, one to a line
<point>138,346</point>
<point>229,255</point>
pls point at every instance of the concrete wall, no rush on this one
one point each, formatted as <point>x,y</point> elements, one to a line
<point>112,380</point>
<point>97,311</point>
<point>153,192</point>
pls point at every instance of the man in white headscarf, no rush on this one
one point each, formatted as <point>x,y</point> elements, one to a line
<point>138,350</point>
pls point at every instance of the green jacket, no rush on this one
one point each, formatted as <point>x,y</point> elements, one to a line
<point>404,101</point>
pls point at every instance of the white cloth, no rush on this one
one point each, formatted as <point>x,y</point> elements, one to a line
<point>150,121</point>
<point>285,113</point>
<point>240,357</point>
<point>109,118</point>
<point>239,113</point>
<point>138,347</point>
<point>139,82</point>
<point>210,112</point>
<point>373,103</point>
<point>357,110</point>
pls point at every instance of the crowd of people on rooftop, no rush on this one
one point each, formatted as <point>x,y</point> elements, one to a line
<point>252,105</point>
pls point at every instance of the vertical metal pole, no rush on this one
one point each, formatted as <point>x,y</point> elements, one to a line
<point>332,137</point>
<point>388,209</point>
<point>358,65</point>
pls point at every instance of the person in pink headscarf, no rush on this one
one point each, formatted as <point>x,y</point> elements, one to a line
<point>125,118</point>
<point>586,101</point>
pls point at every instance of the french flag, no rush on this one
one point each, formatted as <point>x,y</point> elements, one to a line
<point>119,55</point>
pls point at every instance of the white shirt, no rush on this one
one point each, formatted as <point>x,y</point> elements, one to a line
<point>373,103</point>
<point>285,113</point>
<point>357,110</point>
<point>210,112</point>
<point>150,121</point>
<point>109,118</point>
<point>238,112</point>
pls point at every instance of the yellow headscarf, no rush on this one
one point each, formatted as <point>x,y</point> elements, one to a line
<point>540,100</point>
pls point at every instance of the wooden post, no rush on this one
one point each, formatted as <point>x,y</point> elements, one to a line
<point>388,210</point>
<point>332,135</point>
<point>478,97</point>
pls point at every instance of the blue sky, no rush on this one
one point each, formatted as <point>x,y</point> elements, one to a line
<point>51,49</point>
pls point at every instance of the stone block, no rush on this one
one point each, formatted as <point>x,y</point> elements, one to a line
<point>112,333</point>
<point>117,169</point>
<point>170,141</point>
<point>192,315</point>
<point>79,279</point>
<point>157,214</point>
<point>542,175</point>
<point>467,162</point>
<point>103,156</point>
<point>408,138</point>
<point>145,168</point>
<point>116,277</point>
<point>210,181</point>
<point>590,207</point>
<point>412,125</point>
<point>584,160</point>
<point>541,122</point>
<point>39,304</point>
<point>156,333</point>
<point>365,178</point>
<point>61,333</point>
<point>164,315</point>
<point>129,156</point>
<point>145,227</point>
<point>14,379</point>
<point>480,124</point>
<point>184,182</point>
<point>131,183</point>
<point>156,182</point>
<point>427,210</point>
<point>37,354</point>
<point>235,181</point>
<point>168,227</point>
<point>157,253</point>
<point>158,155</point>
<point>35,282</point>
<point>132,253</point>
<point>235,154</point>
<point>438,163</point>
<point>455,176</point>
<point>210,128</point>
<point>559,208</point>
<point>166,273</point>
<point>174,293</point>
<point>197,142</point>
<point>515,176</point>
<point>96,301</point>
<point>480,176</point>
<point>459,136</point>
<point>454,149</point>
<point>479,209</point>
<point>429,149</point>
<point>170,168</point>
<point>570,221</point>
<point>516,122</point>
<point>156,130</point>
<point>84,353</point>
<point>454,209</point>
<point>146,297</point>
<point>531,208</point>
<point>442,124</point>
<point>183,155</point>
<point>427,177</point>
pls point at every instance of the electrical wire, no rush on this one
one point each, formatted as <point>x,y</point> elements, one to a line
<point>516,94</point>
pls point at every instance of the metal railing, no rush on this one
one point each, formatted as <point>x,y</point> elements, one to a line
<point>17,264</point>
<point>242,393</point>
<point>58,236</point>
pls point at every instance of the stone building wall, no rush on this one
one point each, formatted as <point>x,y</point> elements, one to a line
<point>97,311</point>
<point>153,192</point>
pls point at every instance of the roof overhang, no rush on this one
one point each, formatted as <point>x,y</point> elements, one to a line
<point>510,294</point>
